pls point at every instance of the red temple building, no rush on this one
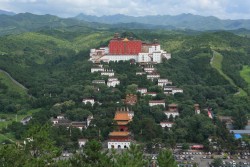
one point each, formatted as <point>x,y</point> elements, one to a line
<point>124,49</point>
<point>119,46</point>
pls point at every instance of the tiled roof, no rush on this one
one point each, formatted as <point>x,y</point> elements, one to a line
<point>119,133</point>
<point>121,116</point>
<point>172,105</point>
<point>157,101</point>
<point>122,122</point>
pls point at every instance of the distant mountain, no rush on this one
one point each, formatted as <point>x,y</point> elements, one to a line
<point>183,21</point>
<point>26,22</point>
<point>6,12</point>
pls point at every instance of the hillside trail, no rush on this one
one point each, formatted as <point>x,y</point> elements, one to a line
<point>13,80</point>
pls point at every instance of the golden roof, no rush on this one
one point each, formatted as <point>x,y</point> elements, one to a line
<point>125,40</point>
<point>121,116</point>
<point>118,133</point>
<point>122,122</point>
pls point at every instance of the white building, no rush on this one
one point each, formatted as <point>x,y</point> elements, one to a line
<point>172,90</point>
<point>96,69</point>
<point>156,102</point>
<point>149,53</point>
<point>89,119</point>
<point>79,125</point>
<point>57,119</point>
<point>131,114</point>
<point>98,81</point>
<point>82,142</point>
<point>150,94</point>
<point>112,82</point>
<point>149,69</point>
<point>164,82</point>
<point>119,140</point>
<point>177,90</point>
<point>142,90</point>
<point>153,76</point>
<point>91,101</point>
<point>140,73</point>
<point>166,124</point>
<point>119,144</point>
<point>173,113</point>
<point>109,73</point>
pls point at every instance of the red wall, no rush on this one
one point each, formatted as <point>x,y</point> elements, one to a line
<point>125,128</point>
<point>120,47</point>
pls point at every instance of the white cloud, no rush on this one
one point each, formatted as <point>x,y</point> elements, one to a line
<point>221,8</point>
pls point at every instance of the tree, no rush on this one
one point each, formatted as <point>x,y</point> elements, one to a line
<point>165,159</point>
<point>11,155</point>
<point>91,156</point>
<point>240,119</point>
<point>133,157</point>
<point>185,146</point>
<point>131,89</point>
<point>217,162</point>
<point>40,146</point>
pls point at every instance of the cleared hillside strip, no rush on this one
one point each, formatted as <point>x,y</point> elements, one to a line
<point>216,62</point>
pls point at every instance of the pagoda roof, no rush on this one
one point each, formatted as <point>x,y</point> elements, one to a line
<point>119,116</point>
<point>173,105</point>
<point>118,133</point>
<point>122,122</point>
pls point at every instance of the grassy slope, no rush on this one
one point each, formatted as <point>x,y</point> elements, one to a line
<point>11,85</point>
<point>13,117</point>
<point>216,63</point>
<point>245,74</point>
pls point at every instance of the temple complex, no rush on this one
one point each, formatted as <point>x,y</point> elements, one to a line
<point>125,49</point>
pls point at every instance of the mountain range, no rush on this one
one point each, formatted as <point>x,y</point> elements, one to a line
<point>182,21</point>
<point>11,23</point>
<point>6,12</point>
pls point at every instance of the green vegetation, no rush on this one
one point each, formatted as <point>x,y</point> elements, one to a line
<point>216,62</point>
<point>245,73</point>
<point>53,65</point>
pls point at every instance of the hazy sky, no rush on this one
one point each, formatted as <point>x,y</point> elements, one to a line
<point>226,9</point>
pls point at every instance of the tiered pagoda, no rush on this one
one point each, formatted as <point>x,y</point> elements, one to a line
<point>120,138</point>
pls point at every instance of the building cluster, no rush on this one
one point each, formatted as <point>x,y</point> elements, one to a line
<point>151,73</point>
<point>129,49</point>
<point>60,120</point>
<point>112,80</point>
<point>121,138</point>
<point>171,113</point>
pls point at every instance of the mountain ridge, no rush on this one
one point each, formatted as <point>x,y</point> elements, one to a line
<point>182,21</point>
<point>4,12</point>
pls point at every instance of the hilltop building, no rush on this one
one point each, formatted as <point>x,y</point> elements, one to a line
<point>124,49</point>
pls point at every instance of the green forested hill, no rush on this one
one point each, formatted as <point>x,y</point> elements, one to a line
<point>48,57</point>
<point>53,64</point>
